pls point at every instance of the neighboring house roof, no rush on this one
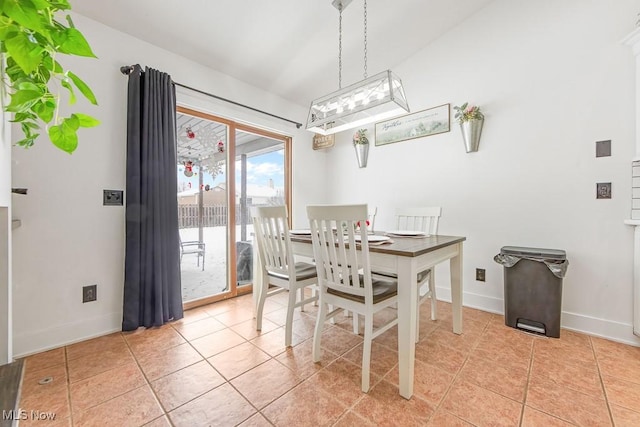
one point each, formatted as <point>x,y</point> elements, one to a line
<point>252,191</point>
<point>189,192</point>
<point>259,191</point>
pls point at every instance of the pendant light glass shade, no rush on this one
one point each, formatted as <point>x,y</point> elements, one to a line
<point>375,98</point>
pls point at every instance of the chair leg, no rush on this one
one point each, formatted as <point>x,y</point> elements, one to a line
<point>289,325</point>
<point>356,323</point>
<point>432,289</point>
<point>202,261</point>
<point>263,297</point>
<point>317,334</point>
<point>301,298</point>
<point>366,350</point>
<point>333,318</point>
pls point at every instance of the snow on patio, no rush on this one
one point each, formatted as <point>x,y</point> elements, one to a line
<point>197,283</point>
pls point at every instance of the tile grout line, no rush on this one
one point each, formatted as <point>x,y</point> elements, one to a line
<point>604,389</point>
<point>455,377</point>
<point>66,367</point>
<point>526,387</point>
<point>259,411</point>
<point>111,398</point>
<point>325,393</point>
<point>206,360</point>
<point>228,381</point>
<point>339,356</point>
<point>144,375</point>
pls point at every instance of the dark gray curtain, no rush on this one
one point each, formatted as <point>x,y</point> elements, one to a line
<point>152,288</point>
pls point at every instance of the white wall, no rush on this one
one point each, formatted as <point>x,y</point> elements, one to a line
<point>68,239</point>
<point>552,78</point>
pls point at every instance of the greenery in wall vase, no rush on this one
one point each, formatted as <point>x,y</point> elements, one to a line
<point>31,37</point>
<point>467,112</point>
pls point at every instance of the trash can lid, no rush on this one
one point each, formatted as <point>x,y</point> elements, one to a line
<point>555,254</point>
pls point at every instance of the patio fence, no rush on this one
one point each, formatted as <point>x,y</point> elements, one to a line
<point>212,216</point>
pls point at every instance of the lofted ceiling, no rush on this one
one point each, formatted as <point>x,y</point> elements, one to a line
<point>286,47</point>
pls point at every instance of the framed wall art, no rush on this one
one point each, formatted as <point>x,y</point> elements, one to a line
<point>423,123</point>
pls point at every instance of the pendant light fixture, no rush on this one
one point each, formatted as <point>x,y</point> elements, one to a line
<point>375,98</point>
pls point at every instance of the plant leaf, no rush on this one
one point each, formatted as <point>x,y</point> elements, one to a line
<point>28,55</point>
<point>29,85</point>
<point>83,88</point>
<point>28,142</point>
<point>72,42</point>
<point>20,117</point>
<point>30,125</point>
<point>24,13</point>
<point>6,26</point>
<point>64,136</point>
<point>22,100</point>
<point>40,4</point>
<point>73,122</point>
<point>86,121</point>
<point>45,110</point>
<point>52,65</point>
<point>60,4</point>
<point>72,95</point>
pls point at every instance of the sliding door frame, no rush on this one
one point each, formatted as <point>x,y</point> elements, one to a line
<point>233,127</point>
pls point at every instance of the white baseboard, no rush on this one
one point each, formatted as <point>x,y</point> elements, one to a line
<point>611,330</point>
<point>615,331</point>
<point>28,343</point>
<point>481,302</point>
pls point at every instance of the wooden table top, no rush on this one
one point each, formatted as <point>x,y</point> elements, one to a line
<point>402,246</point>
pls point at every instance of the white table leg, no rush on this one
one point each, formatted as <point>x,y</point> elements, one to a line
<point>456,290</point>
<point>407,315</point>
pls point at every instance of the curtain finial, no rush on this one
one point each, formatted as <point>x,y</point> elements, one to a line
<point>127,69</point>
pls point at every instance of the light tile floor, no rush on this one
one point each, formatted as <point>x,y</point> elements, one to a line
<point>214,368</point>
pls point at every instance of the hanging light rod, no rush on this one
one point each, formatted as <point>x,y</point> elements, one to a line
<point>341,4</point>
<point>128,69</point>
<point>375,98</point>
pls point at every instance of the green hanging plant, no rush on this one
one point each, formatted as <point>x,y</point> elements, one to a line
<point>30,39</point>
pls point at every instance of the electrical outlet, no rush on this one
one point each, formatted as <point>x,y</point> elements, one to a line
<point>480,274</point>
<point>89,293</point>
<point>112,197</point>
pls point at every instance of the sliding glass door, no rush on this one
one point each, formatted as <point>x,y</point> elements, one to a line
<point>224,168</point>
<point>260,171</point>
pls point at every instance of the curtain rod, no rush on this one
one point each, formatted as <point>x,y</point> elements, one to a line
<point>127,69</point>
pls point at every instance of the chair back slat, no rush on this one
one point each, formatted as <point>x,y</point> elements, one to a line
<point>271,228</point>
<point>339,262</point>
<point>419,219</point>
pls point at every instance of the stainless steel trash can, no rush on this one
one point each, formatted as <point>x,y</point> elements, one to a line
<point>533,288</point>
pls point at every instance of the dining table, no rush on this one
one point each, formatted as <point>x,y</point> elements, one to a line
<point>404,257</point>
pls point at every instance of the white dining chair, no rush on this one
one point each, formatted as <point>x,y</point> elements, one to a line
<point>423,219</point>
<point>279,268</point>
<point>344,275</point>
